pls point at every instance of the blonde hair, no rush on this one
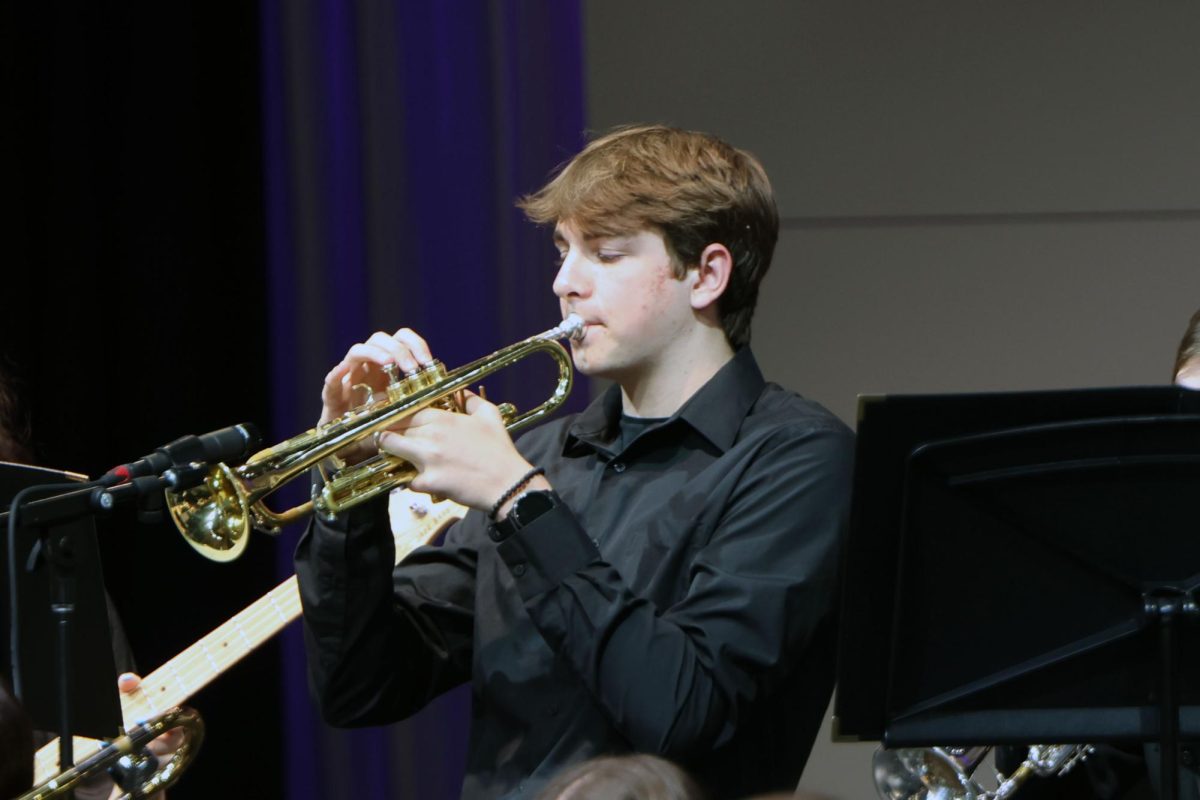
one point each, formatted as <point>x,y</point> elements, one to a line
<point>694,188</point>
<point>630,777</point>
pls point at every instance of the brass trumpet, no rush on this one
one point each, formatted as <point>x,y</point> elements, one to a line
<point>216,516</point>
<point>141,776</point>
<point>948,773</point>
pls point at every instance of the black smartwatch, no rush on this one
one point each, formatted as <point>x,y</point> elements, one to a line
<point>525,509</point>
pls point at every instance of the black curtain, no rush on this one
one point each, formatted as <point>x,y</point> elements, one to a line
<point>134,302</point>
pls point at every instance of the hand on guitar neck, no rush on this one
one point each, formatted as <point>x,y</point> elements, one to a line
<point>129,685</point>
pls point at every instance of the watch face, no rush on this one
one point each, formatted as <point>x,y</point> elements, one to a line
<point>532,505</point>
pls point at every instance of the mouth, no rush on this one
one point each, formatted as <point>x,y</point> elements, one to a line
<point>588,326</point>
<point>585,327</point>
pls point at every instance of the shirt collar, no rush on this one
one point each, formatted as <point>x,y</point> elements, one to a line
<point>715,411</point>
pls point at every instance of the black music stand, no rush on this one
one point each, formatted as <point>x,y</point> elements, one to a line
<point>95,705</point>
<point>1020,568</point>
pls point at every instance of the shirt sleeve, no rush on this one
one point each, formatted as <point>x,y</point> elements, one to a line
<point>759,587</point>
<point>381,642</point>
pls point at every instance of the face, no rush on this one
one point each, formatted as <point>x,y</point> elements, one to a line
<point>624,288</point>
<point>1189,375</point>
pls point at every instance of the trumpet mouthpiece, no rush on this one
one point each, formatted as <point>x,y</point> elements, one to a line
<point>571,328</point>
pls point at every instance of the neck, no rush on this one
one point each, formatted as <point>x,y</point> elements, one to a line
<point>661,388</point>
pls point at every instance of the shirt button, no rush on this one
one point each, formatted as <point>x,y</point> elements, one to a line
<point>519,570</point>
<point>618,466</point>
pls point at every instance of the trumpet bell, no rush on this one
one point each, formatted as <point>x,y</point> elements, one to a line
<point>123,757</point>
<point>213,517</point>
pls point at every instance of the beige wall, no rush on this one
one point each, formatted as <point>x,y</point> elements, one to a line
<point>975,196</point>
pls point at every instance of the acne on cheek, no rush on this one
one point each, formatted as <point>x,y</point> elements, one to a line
<point>664,281</point>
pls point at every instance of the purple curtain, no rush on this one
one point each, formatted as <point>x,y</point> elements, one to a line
<point>397,135</point>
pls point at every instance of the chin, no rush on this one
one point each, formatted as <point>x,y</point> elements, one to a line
<point>584,367</point>
<point>591,367</point>
<point>593,360</point>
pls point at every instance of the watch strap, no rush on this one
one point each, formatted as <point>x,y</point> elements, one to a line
<point>528,506</point>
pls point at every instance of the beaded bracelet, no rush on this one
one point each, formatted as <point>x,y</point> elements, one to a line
<point>516,487</point>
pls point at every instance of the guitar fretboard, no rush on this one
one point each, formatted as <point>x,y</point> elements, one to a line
<point>196,667</point>
<point>415,521</point>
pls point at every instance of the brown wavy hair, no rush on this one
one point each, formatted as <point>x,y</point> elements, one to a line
<point>692,187</point>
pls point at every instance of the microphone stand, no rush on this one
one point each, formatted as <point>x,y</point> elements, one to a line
<point>49,517</point>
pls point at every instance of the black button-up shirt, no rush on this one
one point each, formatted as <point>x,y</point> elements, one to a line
<point>679,601</point>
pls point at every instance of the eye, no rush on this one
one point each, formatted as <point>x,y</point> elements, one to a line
<point>608,256</point>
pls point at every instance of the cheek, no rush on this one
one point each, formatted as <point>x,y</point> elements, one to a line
<point>668,296</point>
<point>657,289</point>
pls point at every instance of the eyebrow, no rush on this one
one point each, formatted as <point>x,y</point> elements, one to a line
<point>591,238</point>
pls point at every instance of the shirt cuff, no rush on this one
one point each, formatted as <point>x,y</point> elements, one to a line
<point>334,540</point>
<point>547,550</point>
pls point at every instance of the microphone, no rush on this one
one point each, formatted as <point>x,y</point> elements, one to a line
<point>228,444</point>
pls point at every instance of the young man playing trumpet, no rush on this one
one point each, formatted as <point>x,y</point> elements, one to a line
<point>655,574</point>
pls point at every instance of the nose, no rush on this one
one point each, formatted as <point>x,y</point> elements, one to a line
<point>572,279</point>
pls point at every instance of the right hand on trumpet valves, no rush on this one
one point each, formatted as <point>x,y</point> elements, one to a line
<point>469,458</point>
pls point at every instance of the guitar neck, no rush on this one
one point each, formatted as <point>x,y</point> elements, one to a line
<point>196,667</point>
<point>415,521</point>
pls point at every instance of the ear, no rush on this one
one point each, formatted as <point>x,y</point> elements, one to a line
<point>711,276</point>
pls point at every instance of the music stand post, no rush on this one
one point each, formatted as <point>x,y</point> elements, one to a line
<point>1021,568</point>
<point>58,535</point>
<point>1168,605</point>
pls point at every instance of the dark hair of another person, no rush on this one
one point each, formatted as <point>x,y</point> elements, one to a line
<point>631,777</point>
<point>16,731</point>
<point>16,746</point>
<point>1189,346</point>
<point>14,431</point>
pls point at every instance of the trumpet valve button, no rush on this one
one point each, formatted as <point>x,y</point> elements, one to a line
<point>366,392</point>
<point>397,386</point>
